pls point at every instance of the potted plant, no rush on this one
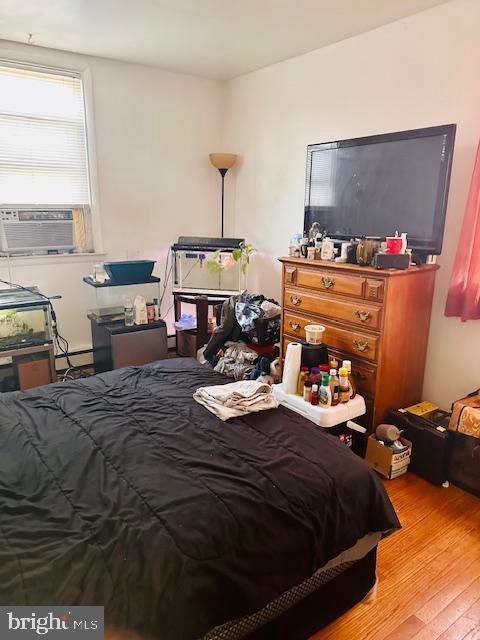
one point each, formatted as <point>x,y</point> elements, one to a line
<point>219,261</point>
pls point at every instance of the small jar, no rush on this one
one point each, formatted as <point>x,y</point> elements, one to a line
<point>150,312</point>
<point>311,253</point>
<point>307,391</point>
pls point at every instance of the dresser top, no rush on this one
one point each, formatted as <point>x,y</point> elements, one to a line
<point>358,269</point>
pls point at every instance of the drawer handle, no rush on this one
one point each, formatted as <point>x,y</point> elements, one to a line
<point>295,300</point>
<point>327,282</point>
<point>361,346</point>
<point>294,325</point>
<point>363,316</point>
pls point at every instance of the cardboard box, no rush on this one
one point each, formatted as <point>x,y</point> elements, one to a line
<point>466,415</point>
<point>385,461</point>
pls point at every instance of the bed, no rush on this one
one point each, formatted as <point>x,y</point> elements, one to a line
<point>120,490</point>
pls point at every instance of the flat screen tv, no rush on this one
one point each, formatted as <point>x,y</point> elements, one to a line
<point>377,185</point>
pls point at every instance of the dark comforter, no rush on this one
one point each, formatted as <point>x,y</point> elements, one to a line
<point>120,490</point>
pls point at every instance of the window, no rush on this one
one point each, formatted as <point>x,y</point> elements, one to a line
<point>43,148</point>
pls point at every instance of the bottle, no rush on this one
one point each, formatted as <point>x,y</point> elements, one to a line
<point>140,308</point>
<point>325,394</point>
<point>302,376</point>
<point>334,387</point>
<point>333,363</point>
<point>150,312</point>
<point>314,374</point>
<point>353,389</point>
<point>344,385</point>
<point>314,395</point>
<point>129,313</point>
<point>307,391</point>
<point>324,368</point>
<point>157,309</point>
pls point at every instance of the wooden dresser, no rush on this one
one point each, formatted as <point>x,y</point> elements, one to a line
<point>377,318</point>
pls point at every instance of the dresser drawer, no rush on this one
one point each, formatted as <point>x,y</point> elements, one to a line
<point>350,341</point>
<point>355,343</point>
<point>358,313</point>
<point>329,281</point>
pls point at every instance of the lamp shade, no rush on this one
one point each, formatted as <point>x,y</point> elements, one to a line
<point>223,160</point>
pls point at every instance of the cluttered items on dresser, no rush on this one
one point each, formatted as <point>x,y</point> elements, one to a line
<point>381,253</point>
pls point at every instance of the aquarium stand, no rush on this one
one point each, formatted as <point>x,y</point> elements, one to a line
<point>32,366</point>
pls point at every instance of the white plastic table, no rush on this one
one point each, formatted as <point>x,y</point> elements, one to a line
<point>325,417</point>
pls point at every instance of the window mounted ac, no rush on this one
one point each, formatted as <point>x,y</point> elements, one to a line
<point>36,231</point>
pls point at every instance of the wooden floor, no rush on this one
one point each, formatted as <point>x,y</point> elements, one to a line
<point>429,572</point>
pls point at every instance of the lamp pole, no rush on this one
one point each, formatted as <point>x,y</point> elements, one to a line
<point>222,173</point>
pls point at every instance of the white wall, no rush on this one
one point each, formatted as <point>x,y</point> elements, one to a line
<point>416,72</point>
<point>153,131</point>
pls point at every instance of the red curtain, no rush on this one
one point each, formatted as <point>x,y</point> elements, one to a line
<point>464,292</point>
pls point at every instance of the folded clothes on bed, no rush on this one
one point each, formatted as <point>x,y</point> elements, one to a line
<point>237,398</point>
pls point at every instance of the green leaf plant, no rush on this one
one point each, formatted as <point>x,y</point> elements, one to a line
<point>242,255</point>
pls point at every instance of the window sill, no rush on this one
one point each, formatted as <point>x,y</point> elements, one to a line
<point>52,258</point>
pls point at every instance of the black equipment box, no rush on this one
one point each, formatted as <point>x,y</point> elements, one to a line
<point>391,261</point>
<point>431,442</point>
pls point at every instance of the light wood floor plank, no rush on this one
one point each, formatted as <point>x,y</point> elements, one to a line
<point>429,572</point>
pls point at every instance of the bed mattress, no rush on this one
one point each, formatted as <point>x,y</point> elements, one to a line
<point>120,490</point>
<point>243,627</point>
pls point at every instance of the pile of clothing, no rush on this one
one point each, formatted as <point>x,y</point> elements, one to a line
<point>237,361</point>
<point>245,319</point>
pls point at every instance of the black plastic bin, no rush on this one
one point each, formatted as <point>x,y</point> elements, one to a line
<point>354,439</point>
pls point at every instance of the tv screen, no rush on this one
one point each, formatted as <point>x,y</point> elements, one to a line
<point>377,185</point>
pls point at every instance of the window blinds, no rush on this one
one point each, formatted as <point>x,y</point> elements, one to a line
<point>322,175</point>
<point>43,152</point>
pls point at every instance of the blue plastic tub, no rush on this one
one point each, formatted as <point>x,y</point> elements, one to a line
<point>129,271</point>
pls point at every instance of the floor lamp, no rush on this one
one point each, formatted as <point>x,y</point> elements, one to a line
<point>223,162</point>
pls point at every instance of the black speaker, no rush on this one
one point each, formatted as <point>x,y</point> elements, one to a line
<point>391,261</point>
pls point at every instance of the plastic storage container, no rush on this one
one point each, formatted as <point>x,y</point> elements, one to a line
<point>314,333</point>
<point>129,271</point>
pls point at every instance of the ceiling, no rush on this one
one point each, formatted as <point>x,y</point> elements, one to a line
<point>218,39</point>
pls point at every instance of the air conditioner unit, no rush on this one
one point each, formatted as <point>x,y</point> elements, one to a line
<point>36,231</point>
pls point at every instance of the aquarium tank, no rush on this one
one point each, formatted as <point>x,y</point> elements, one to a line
<point>207,265</point>
<point>25,319</point>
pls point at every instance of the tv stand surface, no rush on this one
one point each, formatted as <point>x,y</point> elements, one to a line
<point>378,318</point>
